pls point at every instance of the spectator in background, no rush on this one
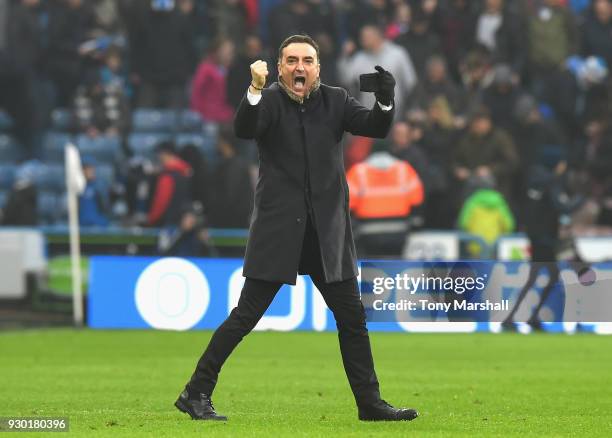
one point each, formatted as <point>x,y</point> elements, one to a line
<point>209,89</point>
<point>431,8</point>
<point>377,51</point>
<point>288,18</point>
<point>485,213</point>
<point>101,103</point>
<point>172,196</point>
<point>200,179</point>
<point>549,197</point>
<point>456,30</point>
<point>94,203</point>
<point>582,92</point>
<point>162,54</point>
<point>552,37</point>
<point>238,73</point>
<point>113,73</point>
<point>438,136</point>
<point>401,23</point>
<point>484,152</point>
<point>71,23</point>
<point>437,84</point>
<point>361,13</point>
<point>404,147</point>
<point>187,9</point>
<point>327,56</point>
<point>383,193</point>
<point>500,31</point>
<point>20,207</point>
<point>598,168</point>
<point>579,6</point>
<point>501,97</point>
<point>229,18</point>
<point>19,59</point>
<point>312,17</point>
<point>488,23</point>
<point>182,223</point>
<point>534,136</point>
<point>140,180</point>
<point>232,197</point>
<point>597,31</point>
<point>420,42</point>
<point>107,17</point>
<point>476,75</point>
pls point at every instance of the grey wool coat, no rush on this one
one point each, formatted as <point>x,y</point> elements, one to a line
<point>297,143</point>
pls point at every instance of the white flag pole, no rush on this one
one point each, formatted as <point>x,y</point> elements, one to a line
<point>75,184</point>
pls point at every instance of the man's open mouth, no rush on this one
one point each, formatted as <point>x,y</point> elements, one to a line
<point>299,82</point>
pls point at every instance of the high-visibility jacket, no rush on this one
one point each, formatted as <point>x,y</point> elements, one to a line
<point>383,187</point>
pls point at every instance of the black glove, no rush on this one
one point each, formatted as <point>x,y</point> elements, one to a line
<point>386,86</point>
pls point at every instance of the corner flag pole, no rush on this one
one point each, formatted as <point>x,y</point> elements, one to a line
<point>75,184</point>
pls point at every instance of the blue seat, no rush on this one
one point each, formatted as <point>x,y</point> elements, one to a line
<point>198,140</point>
<point>50,177</point>
<point>104,149</point>
<point>61,119</point>
<point>53,146</point>
<point>190,121</point>
<point>47,205</point>
<point>7,176</point>
<point>143,144</point>
<point>52,207</point>
<point>61,214</point>
<point>9,149</point>
<point>205,144</point>
<point>6,122</point>
<point>105,174</point>
<point>154,120</point>
<point>3,197</point>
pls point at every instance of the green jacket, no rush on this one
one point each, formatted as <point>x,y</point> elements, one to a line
<point>553,40</point>
<point>486,214</point>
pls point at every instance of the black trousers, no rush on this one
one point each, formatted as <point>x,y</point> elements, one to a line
<point>341,297</point>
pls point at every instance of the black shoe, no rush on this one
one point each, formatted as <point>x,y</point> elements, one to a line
<point>199,409</point>
<point>383,411</point>
<point>508,326</point>
<point>536,324</point>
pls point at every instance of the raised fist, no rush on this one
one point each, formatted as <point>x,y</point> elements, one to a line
<point>259,73</point>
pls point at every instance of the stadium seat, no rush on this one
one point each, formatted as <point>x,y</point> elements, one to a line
<point>6,122</point>
<point>62,208</point>
<point>53,146</point>
<point>105,174</point>
<point>143,144</point>
<point>7,176</point>
<point>190,121</point>
<point>154,120</point>
<point>9,149</point>
<point>198,140</point>
<point>61,119</point>
<point>50,177</point>
<point>47,203</point>
<point>204,143</point>
<point>104,149</point>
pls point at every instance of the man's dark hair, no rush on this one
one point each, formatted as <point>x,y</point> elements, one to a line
<point>166,147</point>
<point>298,39</point>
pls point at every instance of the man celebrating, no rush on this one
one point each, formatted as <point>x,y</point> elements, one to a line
<point>300,222</point>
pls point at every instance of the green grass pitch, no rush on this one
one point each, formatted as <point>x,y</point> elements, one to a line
<point>124,383</point>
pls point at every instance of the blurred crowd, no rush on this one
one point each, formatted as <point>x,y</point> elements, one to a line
<point>495,99</point>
